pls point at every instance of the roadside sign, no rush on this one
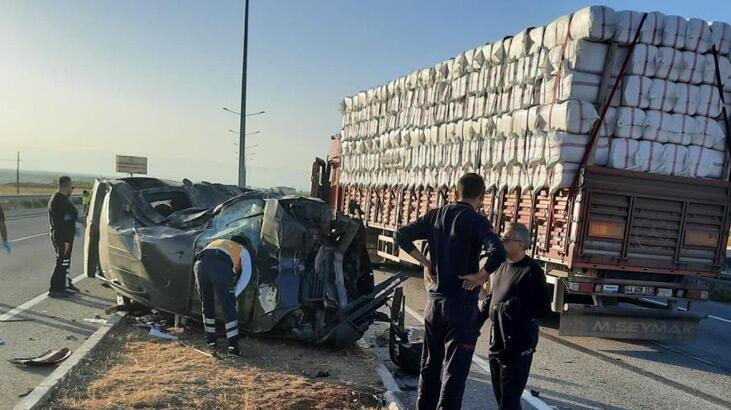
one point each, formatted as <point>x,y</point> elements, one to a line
<point>132,165</point>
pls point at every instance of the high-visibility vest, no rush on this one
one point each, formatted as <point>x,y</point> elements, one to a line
<point>231,248</point>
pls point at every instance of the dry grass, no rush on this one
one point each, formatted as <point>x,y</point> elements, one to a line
<point>133,370</point>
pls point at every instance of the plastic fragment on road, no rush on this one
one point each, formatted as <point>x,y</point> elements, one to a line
<point>48,358</point>
<point>95,320</point>
<point>160,334</point>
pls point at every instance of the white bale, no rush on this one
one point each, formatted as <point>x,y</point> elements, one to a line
<point>622,153</point>
<point>503,126</point>
<point>498,148</point>
<point>572,116</point>
<point>703,162</point>
<point>499,51</point>
<point>674,31</point>
<point>635,91</point>
<point>709,101</point>
<point>643,61</point>
<point>609,123</point>
<point>694,65</point>
<point>535,35</point>
<point>564,147</point>
<point>573,85</point>
<point>455,154</point>
<point>629,21</point>
<point>562,175</point>
<point>662,95</point>
<point>534,119</point>
<point>519,127</point>
<point>537,149</point>
<point>649,157</point>
<point>519,46</point>
<point>557,32</point>
<point>660,126</point>
<point>687,97</point>
<point>721,36</point>
<point>674,159</point>
<point>687,128</point>
<point>486,153</point>
<point>708,134</point>
<point>510,153</point>
<point>669,63</point>
<point>595,23</point>
<point>601,152</point>
<point>515,177</point>
<point>478,59</point>
<point>698,36</point>
<point>579,55</point>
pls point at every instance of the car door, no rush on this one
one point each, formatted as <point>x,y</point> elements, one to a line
<point>91,229</point>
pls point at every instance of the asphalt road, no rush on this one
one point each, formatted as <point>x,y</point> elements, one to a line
<point>31,323</point>
<point>575,373</point>
<point>594,373</point>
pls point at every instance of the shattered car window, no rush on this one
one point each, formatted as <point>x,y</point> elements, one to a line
<point>239,218</point>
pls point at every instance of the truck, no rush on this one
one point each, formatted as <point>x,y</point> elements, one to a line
<point>626,253</point>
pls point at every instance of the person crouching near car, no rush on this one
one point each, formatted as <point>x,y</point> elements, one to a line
<point>519,296</point>
<point>216,269</point>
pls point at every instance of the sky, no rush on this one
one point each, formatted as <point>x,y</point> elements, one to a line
<point>83,80</point>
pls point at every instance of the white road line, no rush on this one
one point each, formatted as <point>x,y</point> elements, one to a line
<point>28,237</point>
<point>476,359</point>
<point>29,304</point>
<point>654,302</point>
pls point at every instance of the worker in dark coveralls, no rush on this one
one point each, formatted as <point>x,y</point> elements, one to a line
<point>518,297</point>
<point>62,216</point>
<point>4,231</point>
<point>216,269</point>
<point>456,235</point>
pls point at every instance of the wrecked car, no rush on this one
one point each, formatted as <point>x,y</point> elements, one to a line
<point>312,280</point>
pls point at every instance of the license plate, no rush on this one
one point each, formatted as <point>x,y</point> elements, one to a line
<point>639,290</point>
<point>610,288</point>
<point>665,292</point>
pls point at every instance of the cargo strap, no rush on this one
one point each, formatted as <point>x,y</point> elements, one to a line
<point>594,133</point>
<point>724,112</point>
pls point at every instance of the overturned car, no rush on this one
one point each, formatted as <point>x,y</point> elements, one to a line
<point>311,281</point>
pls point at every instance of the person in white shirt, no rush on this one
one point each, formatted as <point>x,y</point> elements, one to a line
<point>216,268</point>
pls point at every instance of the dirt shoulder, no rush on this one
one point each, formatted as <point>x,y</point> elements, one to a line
<point>130,369</point>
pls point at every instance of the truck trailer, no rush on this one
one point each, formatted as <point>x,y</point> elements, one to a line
<point>626,241</point>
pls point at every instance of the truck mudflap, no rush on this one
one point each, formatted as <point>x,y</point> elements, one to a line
<point>628,323</point>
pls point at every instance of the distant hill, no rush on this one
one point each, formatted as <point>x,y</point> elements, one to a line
<point>7,176</point>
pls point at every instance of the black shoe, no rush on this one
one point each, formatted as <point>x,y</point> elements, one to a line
<point>234,351</point>
<point>71,288</point>
<point>211,345</point>
<point>59,294</point>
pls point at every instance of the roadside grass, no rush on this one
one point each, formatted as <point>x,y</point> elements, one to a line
<point>720,292</point>
<point>130,369</point>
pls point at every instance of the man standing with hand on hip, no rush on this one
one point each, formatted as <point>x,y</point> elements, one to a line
<point>62,215</point>
<point>457,235</point>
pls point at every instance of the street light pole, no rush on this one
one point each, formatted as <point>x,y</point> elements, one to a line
<point>242,125</point>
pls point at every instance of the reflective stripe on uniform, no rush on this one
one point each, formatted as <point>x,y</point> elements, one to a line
<point>232,333</point>
<point>210,329</point>
<point>209,321</point>
<point>231,325</point>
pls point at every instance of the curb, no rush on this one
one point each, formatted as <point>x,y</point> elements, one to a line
<point>43,391</point>
<point>392,402</point>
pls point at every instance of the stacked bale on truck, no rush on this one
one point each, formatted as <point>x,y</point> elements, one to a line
<point>604,131</point>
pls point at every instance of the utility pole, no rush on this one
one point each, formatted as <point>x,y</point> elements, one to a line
<point>17,175</point>
<point>242,125</point>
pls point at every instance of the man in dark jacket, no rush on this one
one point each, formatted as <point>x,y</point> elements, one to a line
<point>518,297</point>
<point>4,231</point>
<point>62,217</point>
<point>456,235</point>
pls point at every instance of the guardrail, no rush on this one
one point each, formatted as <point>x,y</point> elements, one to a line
<point>30,197</point>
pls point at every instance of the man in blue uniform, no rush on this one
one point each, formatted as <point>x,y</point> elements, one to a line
<point>216,269</point>
<point>457,234</point>
<point>62,215</point>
